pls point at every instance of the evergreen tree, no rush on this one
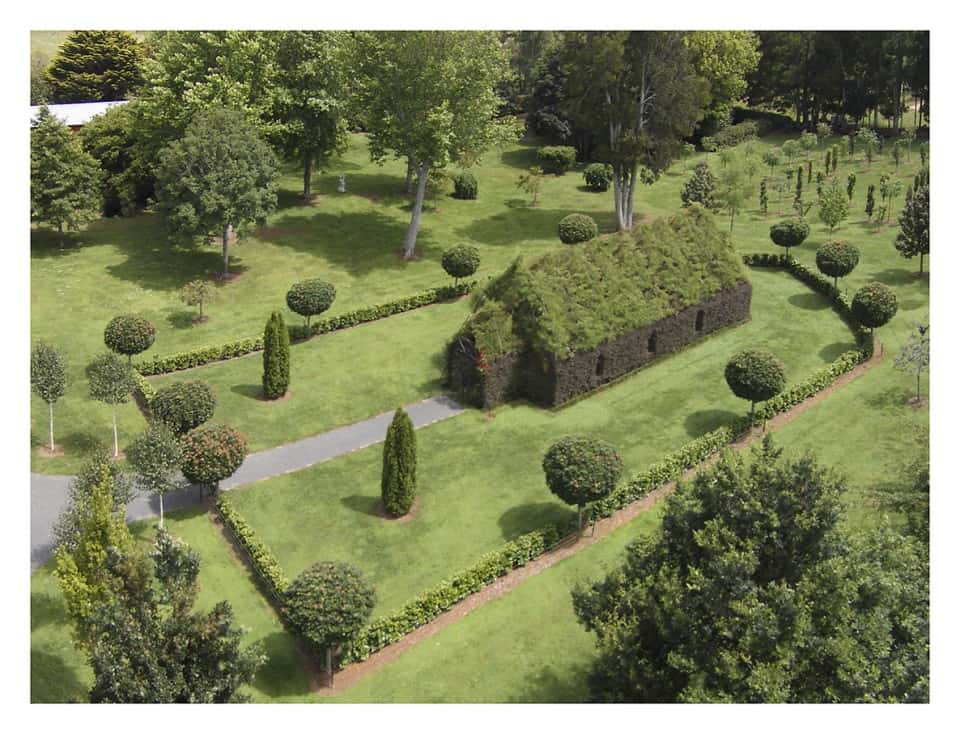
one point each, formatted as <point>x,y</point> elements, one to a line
<point>763,196</point>
<point>851,183</point>
<point>398,481</point>
<point>276,357</point>
<point>870,202</point>
<point>701,188</point>
<point>94,66</point>
<point>798,196</point>
<point>914,236</point>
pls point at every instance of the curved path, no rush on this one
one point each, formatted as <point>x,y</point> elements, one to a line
<point>48,492</point>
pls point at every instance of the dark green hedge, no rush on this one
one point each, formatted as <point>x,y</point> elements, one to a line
<point>264,562</point>
<point>230,350</point>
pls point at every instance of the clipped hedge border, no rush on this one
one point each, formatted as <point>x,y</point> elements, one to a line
<point>144,393</point>
<point>241,347</point>
<point>428,605</point>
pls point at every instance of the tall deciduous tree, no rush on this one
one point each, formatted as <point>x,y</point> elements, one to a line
<point>93,66</point>
<point>914,356</point>
<point>833,204</point>
<point>733,189</point>
<point>724,59</point>
<point>641,92</point>
<point>64,178</point>
<point>48,377</point>
<point>914,236</point>
<point>221,175</point>
<point>155,458</point>
<point>430,98</point>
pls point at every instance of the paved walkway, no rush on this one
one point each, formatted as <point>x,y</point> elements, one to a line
<point>48,492</point>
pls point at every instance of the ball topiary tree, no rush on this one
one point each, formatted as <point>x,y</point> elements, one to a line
<point>874,305</point>
<point>183,406</point>
<point>129,334</point>
<point>598,176</point>
<point>329,603</point>
<point>48,378</point>
<point>837,259</point>
<point>755,375</point>
<point>465,185</point>
<point>276,357</point>
<point>311,297</point>
<point>581,469</point>
<point>111,382</point>
<point>789,233</point>
<point>460,261</point>
<point>211,453</point>
<point>575,228</point>
<point>155,457</point>
<point>398,480</point>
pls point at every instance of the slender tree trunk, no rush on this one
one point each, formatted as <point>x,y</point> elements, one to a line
<point>60,230</point>
<point>307,174</point>
<point>201,309</point>
<point>752,406</point>
<point>50,405</point>
<point>918,387</point>
<point>579,517</point>
<point>226,251</point>
<point>116,441</point>
<point>330,665</point>
<point>411,241</point>
<point>160,495</point>
<point>732,212</point>
<point>408,184</point>
<point>921,268</point>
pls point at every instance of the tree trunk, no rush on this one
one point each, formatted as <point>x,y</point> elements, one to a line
<point>918,387</point>
<point>732,212</point>
<point>921,263</point>
<point>330,666</point>
<point>226,251</point>
<point>201,309</point>
<point>579,517</point>
<point>411,241</point>
<point>408,184</point>
<point>752,406</point>
<point>160,495</point>
<point>116,441</point>
<point>50,405</point>
<point>60,230</point>
<point>307,174</point>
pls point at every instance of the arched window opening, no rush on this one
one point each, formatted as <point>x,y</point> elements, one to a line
<point>601,364</point>
<point>652,343</point>
<point>699,325</point>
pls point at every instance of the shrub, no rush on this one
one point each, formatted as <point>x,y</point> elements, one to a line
<point>460,261</point>
<point>465,185</point>
<point>398,481</point>
<point>789,233</point>
<point>837,259</point>
<point>184,405</point>
<point>575,228</point>
<point>874,305</point>
<point>598,176</point>
<point>755,375</point>
<point>129,334</point>
<point>557,159</point>
<point>276,357</point>
<point>735,134</point>
<point>211,453</point>
<point>310,297</point>
<point>701,188</point>
<point>580,469</point>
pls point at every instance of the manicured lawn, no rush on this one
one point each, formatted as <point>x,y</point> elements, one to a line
<point>59,672</point>
<point>480,481</point>
<point>336,378</point>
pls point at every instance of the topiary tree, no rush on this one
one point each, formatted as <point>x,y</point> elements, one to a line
<point>755,375</point>
<point>871,202</point>
<point>851,184</point>
<point>48,378</point>
<point>329,603</point>
<point>837,259</point>
<point>129,334</point>
<point>276,357</point>
<point>311,297</point>
<point>155,457</point>
<point>874,305</point>
<point>196,293</point>
<point>581,469</point>
<point>460,261</point>
<point>914,236</point>
<point>111,382</point>
<point>701,188</point>
<point>575,228</point>
<point>465,185</point>
<point>398,480</point>
<point>183,406</point>
<point>598,176</point>
<point>789,233</point>
<point>211,453</point>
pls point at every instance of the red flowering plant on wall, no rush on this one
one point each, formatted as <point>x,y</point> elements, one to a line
<point>481,361</point>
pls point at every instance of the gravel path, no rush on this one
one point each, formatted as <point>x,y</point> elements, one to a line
<point>48,492</point>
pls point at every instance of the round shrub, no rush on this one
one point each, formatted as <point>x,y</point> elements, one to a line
<point>557,159</point>
<point>874,305</point>
<point>465,186</point>
<point>575,228</point>
<point>310,297</point>
<point>598,176</point>
<point>211,453</point>
<point>837,259</point>
<point>461,261</point>
<point>755,375</point>
<point>183,406</point>
<point>789,233</point>
<point>129,334</point>
<point>581,469</point>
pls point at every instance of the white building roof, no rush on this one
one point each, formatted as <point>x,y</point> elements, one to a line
<point>79,113</point>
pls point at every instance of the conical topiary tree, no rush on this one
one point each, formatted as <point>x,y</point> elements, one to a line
<point>276,357</point>
<point>398,482</point>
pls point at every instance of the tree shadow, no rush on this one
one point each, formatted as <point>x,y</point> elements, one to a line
<point>546,686</point>
<point>899,276</point>
<point>525,223</point>
<point>52,680</point>
<point>523,157</point>
<point>809,301</point>
<point>364,504</point>
<point>45,243</point>
<point>894,397</point>
<point>248,391</point>
<point>182,319</point>
<point>46,609</point>
<point>525,518</point>
<point>832,351</point>
<point>283,674</point>
<point>703,421</point>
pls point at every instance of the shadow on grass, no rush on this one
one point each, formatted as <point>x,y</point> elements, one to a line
<point>53,681</point>
<point>283,673</point>
<point>526,223</point>
<point>254,392</point>
<point>898,276</point>
<point>809,301</point>
<point>703,421</point>
<point>546,686</point>
<point>893,398</point>
<point>525,518</point>
<point>363,503</point>
<point>46,609</point>
<point>182,319</point>
<point>523,157</point>
<point>832,351</point>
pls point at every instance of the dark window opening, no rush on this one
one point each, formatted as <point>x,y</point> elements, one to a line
<point>652,342</point>
<point>600,365</point>
<point>699,325</point>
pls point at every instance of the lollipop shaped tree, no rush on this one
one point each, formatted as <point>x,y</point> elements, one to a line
<point>580,469</point>
<point>755,375</point>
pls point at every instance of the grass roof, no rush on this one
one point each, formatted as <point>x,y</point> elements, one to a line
<point>578,297</point>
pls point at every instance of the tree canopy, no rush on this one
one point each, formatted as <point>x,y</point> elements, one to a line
<point>94,66</point>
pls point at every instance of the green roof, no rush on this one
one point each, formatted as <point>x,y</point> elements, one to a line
<point>578,297</point>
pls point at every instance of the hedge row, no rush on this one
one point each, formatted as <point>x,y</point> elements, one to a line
<point>144,392</point>
<point>264,562</point>
<point>735,134</point>
<point>230,350</point>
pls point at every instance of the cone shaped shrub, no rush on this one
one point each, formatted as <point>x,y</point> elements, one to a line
<point>276,357</point>
<point>398,482</point>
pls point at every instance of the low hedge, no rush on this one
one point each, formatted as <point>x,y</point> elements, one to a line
<point>241,347</point>
<point>264,562</point>
<point>145,392</point>
<point>735,134</point>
